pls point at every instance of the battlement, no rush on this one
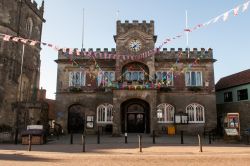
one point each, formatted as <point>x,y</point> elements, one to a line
<point>171,54</point>
<point>33,5</point>
<point>123,27</point>
<point>186,53</point>
<point>136,22</point>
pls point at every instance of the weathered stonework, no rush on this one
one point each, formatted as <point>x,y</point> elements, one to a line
<point>14,17</point>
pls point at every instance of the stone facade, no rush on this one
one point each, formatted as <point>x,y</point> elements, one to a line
<point>135,100</point>
<point>22,18</point>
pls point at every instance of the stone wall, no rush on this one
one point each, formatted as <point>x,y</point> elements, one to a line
<point>13,19</point>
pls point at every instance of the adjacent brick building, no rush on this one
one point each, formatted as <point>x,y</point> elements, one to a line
<point>131,94</point>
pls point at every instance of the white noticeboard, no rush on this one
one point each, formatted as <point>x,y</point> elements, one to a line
<point>231,132</point>
<point>177,119</point>
<point>38,127</point>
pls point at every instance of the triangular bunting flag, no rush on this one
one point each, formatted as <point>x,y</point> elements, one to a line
<point>225,16</point>
<point>245,6</point>
<point>6,37</point>
<point>236,11</point>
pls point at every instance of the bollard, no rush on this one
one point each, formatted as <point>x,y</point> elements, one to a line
<point>71,138</point>
<point>98,136</point>
<point>140,142</point>
<point>200,143</point>
<point>153,136</point>
<point>209,137</point>
<point>30,137</point>
<point>126,138</point>
<point>83,143</point>
<point>182,142</point>
<point>16,136</point>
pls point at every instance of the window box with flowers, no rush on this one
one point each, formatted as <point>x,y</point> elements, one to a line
<point>75,89</point>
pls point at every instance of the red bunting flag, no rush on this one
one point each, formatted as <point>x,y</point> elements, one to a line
<point>187,30</point>
<point>236,11</point>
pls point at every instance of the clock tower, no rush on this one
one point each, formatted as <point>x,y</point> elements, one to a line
<point>133,39</point>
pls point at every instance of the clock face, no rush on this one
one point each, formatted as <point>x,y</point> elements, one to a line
<point>135,45</point>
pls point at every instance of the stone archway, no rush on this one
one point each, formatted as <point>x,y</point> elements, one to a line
<point>76,119</point>
<point>135,116</point>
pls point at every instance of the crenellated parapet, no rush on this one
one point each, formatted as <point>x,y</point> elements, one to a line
<point>164,54</point>
<point>33,5</point>
<point>84,53</point>
<point>146,27</point>
<point>185,53</point>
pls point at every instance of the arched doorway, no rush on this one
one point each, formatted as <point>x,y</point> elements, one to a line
<point>135,117</point>
<point>76,119</point>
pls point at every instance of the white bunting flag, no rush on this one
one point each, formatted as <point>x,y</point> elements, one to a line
<point>225,16</point>
<point>24,41</point>
<point>32,43</point>
<point>216,19</point>
<point>16,39</point>
<point>6,37</point>
<point>245,6</point>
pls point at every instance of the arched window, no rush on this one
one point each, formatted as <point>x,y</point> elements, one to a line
<point>165,113</point>
<point>105,113</point>
<point>29,26</point>
<point>196,113</point>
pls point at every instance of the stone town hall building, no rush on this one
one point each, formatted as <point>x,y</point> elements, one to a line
<point>136,95</point>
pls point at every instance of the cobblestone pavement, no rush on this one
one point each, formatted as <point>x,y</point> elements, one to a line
<point>114,151</point>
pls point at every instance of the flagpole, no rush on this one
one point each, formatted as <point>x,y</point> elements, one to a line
<point>82,29</point>
<point>187,27</point>
<point>117,15</point>
<point>187,32</point>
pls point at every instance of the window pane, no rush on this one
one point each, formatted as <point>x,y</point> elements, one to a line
<point>193,79</point>
<point>135,76</point>
<point>128,76</point>
<point>158,75</point>
<point>198,79</point>
<point>141,76</point>
<point>187,78</point>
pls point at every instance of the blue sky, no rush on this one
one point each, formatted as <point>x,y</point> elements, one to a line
<point>230,40</point>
